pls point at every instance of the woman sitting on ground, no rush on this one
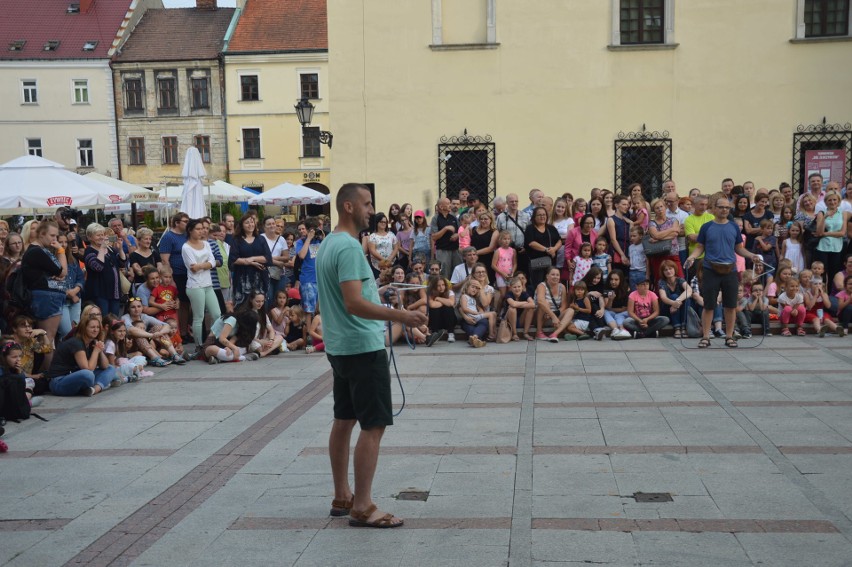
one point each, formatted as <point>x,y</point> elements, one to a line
<point>267,340</point>
<point>441,301</point>
<point>552,302</point>
<point>230,336</point>
<point>79,365</point>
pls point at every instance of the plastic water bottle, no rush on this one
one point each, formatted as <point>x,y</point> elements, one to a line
<point>819,314</point>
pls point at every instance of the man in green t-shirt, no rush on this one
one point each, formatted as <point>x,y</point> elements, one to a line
<point>354,344</point>
<point>693,223</point>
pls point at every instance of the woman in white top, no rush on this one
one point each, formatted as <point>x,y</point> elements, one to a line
<point>280,256</point>
<point>382,244</point>
<point>199,260</point>
<point>561,219</point>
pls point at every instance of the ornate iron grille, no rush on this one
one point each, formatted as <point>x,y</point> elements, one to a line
<point>645,158</point>
<point>821,136</point>
<point>467,162</point>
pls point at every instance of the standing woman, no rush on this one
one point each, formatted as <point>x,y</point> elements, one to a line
<point>422,243</point>
<point>607,197</point>
<point>541,241</point>
<point>72,286</point>
<point>248,259</point>
<point>4,232</point>
<point>80,366</point>
<point>597,210</point>
<point>393,218</point>
<point>199,260</point>
<point>102,264</point>
<point>563,223</point>
<point>404,235</point>
<point>280,255</point>
<point>28,233</point>
<point>13,249</point>
<point>484,239</point>
<point>44,267</point>
<point>143,256</point>
<point>741,206</point>
<point>618,230</point>
<point>382,245</point>
<point>663,227</point>
<point>831,228</point>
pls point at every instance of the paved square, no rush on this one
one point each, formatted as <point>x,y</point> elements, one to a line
<point>531,454</point>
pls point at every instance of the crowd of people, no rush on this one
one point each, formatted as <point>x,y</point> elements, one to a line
<point>85,310</point>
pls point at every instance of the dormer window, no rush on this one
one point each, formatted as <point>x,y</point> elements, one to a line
<point>73,8</point>
<point>17,45</point>
<point>90,45</point>
<point>51,45</point>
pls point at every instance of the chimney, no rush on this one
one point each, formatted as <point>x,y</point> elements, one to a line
<point>85,6</point>
<point>206,4</point>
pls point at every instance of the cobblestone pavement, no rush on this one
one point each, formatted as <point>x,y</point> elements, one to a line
<point>531,454</point>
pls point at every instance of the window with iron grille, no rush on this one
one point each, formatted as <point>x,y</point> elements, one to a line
<point>249,89</point>
<point>642,21</point>
<point>134,98</point>
<point>34,147</point>
<point>29,90</point>
<point>167,89</point>
<point>136,147</point>
<point>310,85</point>
<point>203,145</point>
<point>200,93</point>
<point>170,150</point>
<point>310,141</point>
<point>85,153</point>
<point>643,157</point>
<point>826,18</point>
<point>251,143</point>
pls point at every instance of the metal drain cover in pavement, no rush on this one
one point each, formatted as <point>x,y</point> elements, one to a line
<point>652,497</point>
<point>416,495</point>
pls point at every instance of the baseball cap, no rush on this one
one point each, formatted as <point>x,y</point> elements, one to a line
<point>419,214</point>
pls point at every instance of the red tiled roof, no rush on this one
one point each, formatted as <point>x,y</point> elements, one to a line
<point>281,25</point>
<point>40,21</point>
<point>177,35</point>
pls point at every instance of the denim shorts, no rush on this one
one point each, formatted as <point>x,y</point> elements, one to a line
<point>309,296</point>
<point>46,304</point>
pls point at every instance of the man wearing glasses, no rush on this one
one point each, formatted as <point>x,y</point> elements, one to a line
<point>719,240</point>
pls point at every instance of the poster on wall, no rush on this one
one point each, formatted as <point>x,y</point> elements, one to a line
<point>831,164</point>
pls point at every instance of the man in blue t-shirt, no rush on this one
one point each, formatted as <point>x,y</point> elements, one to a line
<point>719,240</point>
<point>171,246</point>
<point>354,344</point>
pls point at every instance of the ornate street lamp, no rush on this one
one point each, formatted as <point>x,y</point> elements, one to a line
<point>305,112</point>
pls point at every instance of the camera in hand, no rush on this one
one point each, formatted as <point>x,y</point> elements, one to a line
<point>67,213</point>
<point>313,223</point>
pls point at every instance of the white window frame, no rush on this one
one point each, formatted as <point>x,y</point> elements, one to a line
<point>248,73</point>
<point>668,32</point>
<point>84,89</point>
<point>308,71</point>
<point>242,143</point>
<point>800,32</point>
<point>91,151</point>
<point>28,149</point>
<point>27,88</point>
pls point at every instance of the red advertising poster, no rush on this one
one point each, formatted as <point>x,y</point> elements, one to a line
<point>831,164</point>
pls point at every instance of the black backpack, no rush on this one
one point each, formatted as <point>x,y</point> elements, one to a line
<point>14,405</point>
<point>20,297</point>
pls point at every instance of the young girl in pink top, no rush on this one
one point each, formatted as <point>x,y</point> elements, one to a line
<point>464,230</point>
<point>505,261</point>
<point>582,263</point>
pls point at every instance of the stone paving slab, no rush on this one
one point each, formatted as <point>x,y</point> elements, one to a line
<point>531,454</point>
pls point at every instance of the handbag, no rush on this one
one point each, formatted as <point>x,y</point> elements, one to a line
<point>504,333</point>
<point>693,323</point>
<point>656,247</point>
<point>545,262</point>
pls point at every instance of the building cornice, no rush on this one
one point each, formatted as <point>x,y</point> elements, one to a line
<point>277,56</point>
<point>55,63</point>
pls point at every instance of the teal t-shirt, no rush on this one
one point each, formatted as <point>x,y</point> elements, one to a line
<point>341,259</point>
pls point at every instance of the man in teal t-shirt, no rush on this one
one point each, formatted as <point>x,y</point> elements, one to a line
<point>354,344</point>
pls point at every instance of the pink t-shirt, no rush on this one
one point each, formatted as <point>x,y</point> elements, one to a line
<point>505,259</point>
<point>643,306</point>
<point>464,237</point>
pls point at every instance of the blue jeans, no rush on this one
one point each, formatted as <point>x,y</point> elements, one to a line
<point>70,317</point>
<point>274,287</point>
<point>109,305</point>
<point>617,318</point>
<point>72,384</point>
<point>480,329</point>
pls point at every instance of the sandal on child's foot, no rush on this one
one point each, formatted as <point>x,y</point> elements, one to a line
<point>801,332</point>
<point>786,332</point>
<point>516,338</point>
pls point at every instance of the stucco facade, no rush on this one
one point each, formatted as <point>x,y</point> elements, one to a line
<point>282,153</point>
<point>552,87</point>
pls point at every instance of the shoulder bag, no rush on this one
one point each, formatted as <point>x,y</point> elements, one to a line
<point>545,262</point>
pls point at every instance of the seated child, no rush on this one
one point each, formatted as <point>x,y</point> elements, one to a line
<point>751,307</point>
<point>791,304</point>
<point>165,296</point>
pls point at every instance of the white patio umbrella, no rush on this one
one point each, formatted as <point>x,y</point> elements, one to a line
<point>288,194</point>
<point>37,183</point>
<point>137,193</point>
<point>192,200</point>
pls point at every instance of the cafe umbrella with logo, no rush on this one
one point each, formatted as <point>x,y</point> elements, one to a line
<point>32,182</point>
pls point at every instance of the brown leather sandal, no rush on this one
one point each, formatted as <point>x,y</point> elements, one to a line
<point>341,507</point>
<point>362,519</point>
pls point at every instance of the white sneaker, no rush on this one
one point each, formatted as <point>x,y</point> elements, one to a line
<point>451,337</point>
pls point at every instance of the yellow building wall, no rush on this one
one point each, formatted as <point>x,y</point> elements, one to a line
<point>554,97</point>
<point>275,116</point>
